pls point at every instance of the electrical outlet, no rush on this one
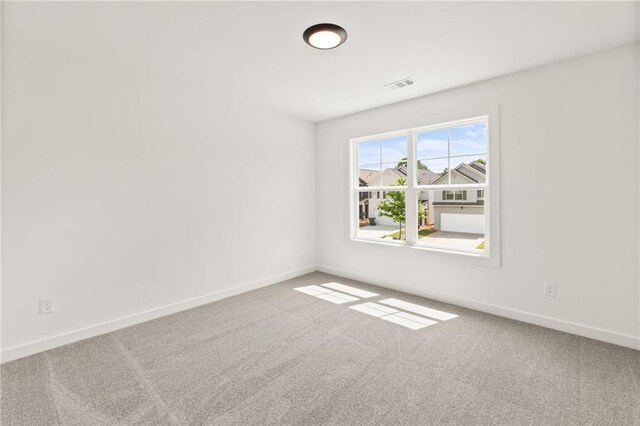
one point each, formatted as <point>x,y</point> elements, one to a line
<point>550,289</point>
<point>46,305</point>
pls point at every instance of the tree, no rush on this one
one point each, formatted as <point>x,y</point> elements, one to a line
<point>394,204</point>
<point>403,163</point>
<point>481,161</point>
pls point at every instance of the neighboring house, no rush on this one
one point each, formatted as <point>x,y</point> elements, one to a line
<point>368,176</point>
<point>451,210</point>
<point>460,210</point>
<point>364,201</point>
<point>369,202</point>
<point>426,177</point>
<point>365,178</point>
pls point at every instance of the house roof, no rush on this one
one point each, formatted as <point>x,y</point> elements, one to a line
<point>425,176</point>
<point>464,171</point>
<point>368,176</point>
<point>396,171</point>
<point>479,167</point>
<point>473,172</point>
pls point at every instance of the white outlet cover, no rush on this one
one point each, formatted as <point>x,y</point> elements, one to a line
<point>550,289</point>
<point>46,305</point>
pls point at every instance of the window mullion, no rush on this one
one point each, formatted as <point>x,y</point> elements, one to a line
<point>449,156</point>
<point>411,195</point>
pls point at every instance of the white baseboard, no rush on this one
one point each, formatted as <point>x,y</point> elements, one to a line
<point>31,348</point>
<point>555,324</point>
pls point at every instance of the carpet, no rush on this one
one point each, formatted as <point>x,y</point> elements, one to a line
<point>282,356</point>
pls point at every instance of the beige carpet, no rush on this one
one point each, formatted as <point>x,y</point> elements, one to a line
<point>280,356</point>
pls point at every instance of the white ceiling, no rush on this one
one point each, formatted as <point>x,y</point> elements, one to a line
<point>254,52</point>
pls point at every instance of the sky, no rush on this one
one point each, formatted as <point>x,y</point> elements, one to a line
<point>468,141</point>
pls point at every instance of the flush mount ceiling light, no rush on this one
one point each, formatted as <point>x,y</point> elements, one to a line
<point>325,36</point>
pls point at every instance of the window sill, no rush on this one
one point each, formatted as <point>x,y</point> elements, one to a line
<point>487,259</point>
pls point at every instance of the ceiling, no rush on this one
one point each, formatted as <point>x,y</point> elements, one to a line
<point>240,52</point>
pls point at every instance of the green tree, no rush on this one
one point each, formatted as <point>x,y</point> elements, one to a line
<point>403,163</point>
<point>394,206</point>
<point>481,161</point>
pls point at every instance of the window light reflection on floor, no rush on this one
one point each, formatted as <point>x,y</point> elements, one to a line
<point>417,309</point>
<point>406,314</point>
<point>413,322</point>
<point>326,294</point>
<point>351,290</point>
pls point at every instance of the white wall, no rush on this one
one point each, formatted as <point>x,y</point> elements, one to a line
<point>131,181</point>
<point>127,186</point>
<point>566,130</point>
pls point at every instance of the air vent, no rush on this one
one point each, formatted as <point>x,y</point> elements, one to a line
<point>399,84</point>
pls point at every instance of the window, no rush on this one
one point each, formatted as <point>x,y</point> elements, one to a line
<point>454,195</point>
<point>433,182</point>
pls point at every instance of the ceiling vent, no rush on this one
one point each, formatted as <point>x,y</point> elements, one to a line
<point>405,82</point>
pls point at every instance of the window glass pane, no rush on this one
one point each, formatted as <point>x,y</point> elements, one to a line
<point>369,152</point>
<point>425,222</point>
<point>370,155</point>
<point>402,165</point>
<point>394,149</point>
<point>451,224</point>
<point>448,218</point>
<point>469,140</point>
<point>468,170</point>
<point>382,219</point>
<point>369,175</point>
<point>432,144</point>
<point>394,174</point>
<point>433,172</point>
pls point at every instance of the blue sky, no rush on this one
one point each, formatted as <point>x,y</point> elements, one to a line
<point>469,141</point>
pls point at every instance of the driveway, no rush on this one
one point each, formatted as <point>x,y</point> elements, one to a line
<point>377,231</point>
<point>453,240</point>
<point>439,239</point>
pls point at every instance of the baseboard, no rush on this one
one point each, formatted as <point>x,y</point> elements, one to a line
<point>555,324</point>
<point>31,348</point>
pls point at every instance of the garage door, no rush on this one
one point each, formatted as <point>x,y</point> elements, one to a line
<point>384,220</point>
<point>452,222</point>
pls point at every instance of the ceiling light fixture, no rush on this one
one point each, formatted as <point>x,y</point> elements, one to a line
<point>325,36</point>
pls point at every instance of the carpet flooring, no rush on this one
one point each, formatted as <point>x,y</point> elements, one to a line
<point>281,356</point>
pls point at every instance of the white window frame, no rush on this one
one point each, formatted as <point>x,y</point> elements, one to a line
<point>491,255</point>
